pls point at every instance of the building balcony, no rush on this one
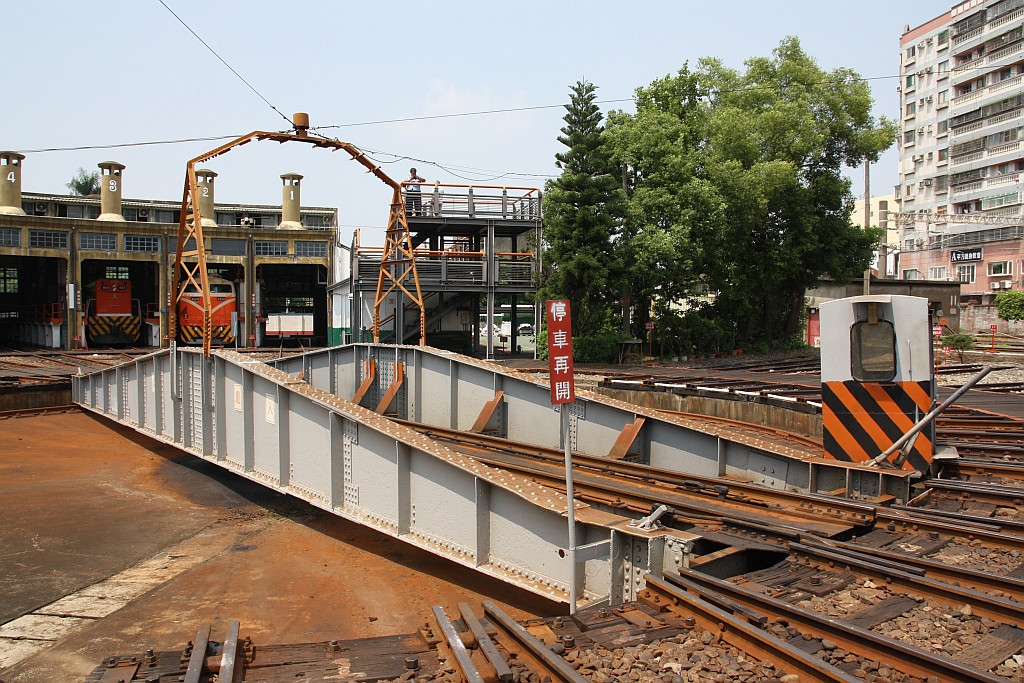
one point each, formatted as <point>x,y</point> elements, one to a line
<point>961,131</point>
<point>988,95</point>
<point>997,57</point>
<point>453,270</point>
<point>969,97</point>
<point>473,202</point>
<point>985,65</point>
<point>967,41</point>
<point>975,189</point>
<point>992,155</point>
<point>999,22</point>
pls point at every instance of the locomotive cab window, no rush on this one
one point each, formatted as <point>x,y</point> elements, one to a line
<point>873,351</point>
<point>214,289</point>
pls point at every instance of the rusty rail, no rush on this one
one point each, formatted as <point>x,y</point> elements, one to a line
<point>912,660</point>
<point>537,653</point>
<point>738,631</point>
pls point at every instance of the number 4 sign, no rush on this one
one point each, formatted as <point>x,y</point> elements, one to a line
<point>560,365</point>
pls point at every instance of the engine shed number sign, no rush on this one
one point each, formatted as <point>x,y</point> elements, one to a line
<point>965,255</point>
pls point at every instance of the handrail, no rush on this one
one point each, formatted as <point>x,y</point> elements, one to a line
<point>36,312</point>
<point>529,190</point>
<point>452,254</point>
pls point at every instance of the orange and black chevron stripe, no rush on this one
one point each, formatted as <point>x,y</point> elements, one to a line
<point>113,329</point>
<point>190,333</point>
<point>862,419</point>
<point>193,334</point>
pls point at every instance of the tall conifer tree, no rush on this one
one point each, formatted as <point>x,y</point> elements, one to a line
<point>582,212</point>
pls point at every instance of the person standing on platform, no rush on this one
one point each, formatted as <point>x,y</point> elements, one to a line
<point>412,193</point>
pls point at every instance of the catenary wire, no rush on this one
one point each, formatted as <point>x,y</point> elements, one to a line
<point>127,144</point>
<point>384,121</point>
<point>224,62</point>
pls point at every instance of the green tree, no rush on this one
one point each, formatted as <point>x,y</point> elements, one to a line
<point>1010,305</point>
<point>959,343</point>
<point>744,172</point>
<point>84,182</point>
<point>583,209</point>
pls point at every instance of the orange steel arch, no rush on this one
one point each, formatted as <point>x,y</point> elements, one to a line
<point>397,262</point>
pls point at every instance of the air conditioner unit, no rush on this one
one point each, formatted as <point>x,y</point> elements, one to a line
<point>41,207</point>
<point>931,154</point>
<point>920,46</point>
<point>929,40</point>
<point>928,70</point>
<point>920,131</point>
<point>143,213</point>
<point>920,102</point>
<point>995,285</point>
<point>930,98</point>
<point>1007,284</point>
<point>928,182</point>
<point>920,242</point>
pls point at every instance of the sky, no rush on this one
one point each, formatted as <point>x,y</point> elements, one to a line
<point>124,71</point>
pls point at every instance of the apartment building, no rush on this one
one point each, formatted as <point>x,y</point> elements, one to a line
<point>881,206</point>
<point>962,97</point>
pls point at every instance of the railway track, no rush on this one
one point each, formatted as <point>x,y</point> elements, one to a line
<point>698,639</point>
<point>847,644</point>
<point>31,412</point>
<point>475,651</point>
<point>617,483</point>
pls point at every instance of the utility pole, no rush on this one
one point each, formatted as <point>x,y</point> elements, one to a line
<point>867,217</point>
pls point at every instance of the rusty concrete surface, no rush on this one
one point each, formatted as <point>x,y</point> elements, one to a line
<point>85,498</point>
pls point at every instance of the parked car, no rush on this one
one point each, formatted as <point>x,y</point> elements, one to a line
<point>525,328</point>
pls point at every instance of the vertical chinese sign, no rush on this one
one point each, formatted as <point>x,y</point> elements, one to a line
<point>563,392</point>
<point>560,367</point>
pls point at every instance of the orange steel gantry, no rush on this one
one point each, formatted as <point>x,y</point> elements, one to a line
<point>397,263</point>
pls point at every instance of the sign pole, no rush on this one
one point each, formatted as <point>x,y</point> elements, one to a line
<point>573,597</point>
<point>563,394</point>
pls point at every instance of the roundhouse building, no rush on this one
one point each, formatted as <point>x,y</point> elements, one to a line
<point>279,257</point>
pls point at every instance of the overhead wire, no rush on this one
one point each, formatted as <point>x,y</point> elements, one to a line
<point>460,114</point>
<point>450,168</point>
<point>127,144</point>
<point>224,62</point>
<point>400,120</point>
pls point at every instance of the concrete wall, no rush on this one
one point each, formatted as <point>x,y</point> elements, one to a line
<point>979,318</point>
<point>805,424</point>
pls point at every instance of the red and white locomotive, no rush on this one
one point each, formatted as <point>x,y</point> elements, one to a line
<point>223,301</point>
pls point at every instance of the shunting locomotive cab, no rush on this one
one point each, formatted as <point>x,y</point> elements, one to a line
<point>190,313</point>
<point>876,378</point>
<point>112,316</point>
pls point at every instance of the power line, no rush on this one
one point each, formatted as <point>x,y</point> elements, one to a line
<point>400,120</point>
<point>558,106</point>
<point>127,144</point>
<point>454,169</point>
<point>461,114</point>
<point>222,61</point>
